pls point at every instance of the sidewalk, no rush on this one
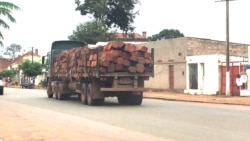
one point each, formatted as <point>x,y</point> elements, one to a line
<point>178,96</point>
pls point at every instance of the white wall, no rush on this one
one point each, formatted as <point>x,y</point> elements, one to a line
<point>210,83</point>
<point>208,79</point>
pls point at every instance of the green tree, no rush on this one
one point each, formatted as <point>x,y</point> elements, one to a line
<point>12,50</point>
<point>91,32</point>
<point>110,13</point>
<point>31,69</point>
<point>7,73</point>
<point>166,34</point>
<point>6,9</point>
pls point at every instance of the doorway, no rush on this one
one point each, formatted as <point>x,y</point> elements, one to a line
<point>193,75</point>
<point>171,76</point>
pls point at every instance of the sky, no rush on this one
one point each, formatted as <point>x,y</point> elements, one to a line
<point>40,22</point>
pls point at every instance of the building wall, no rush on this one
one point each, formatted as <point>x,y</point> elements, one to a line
<point>208,77</point>
<point>174,52</point>
<point>168,52</point>
<point>197,46</point>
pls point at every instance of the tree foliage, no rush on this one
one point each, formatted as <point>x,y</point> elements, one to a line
<point>110,13</point>
<point>31,69</point>
<point>7,73</point>
<point>12,50</point>
<point>91,32</point>
<point>166,34</point>
<point>6,9</point>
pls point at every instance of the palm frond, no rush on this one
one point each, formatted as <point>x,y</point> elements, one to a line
<point>8,5</point>
<point>4,24</point>
<point>7,13</point>
<point>1,35</point>
<point>1,43</point>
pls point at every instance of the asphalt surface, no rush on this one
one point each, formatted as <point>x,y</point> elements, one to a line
<point>29,115</point>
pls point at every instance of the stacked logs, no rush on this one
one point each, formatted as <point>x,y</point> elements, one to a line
<point>113,57</point>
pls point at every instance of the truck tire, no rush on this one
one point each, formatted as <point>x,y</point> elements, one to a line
<point>90,99</point>
<point>123,99</point>
<point>136,99</point>
<point>49,95</point>
<point>84,94</point>
<point>1,90</point>
<point>49,90</point>
<point>56,89</point>
<point>60,94</point>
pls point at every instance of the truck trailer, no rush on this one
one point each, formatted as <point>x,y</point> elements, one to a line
<point>116,69</point>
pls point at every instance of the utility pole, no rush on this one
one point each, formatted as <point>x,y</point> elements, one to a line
<point>32,54</point>
<point>228,93</point>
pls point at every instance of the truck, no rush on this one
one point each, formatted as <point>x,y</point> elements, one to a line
<point>113,70</point>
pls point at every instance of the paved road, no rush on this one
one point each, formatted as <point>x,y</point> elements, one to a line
<point>153,120</point>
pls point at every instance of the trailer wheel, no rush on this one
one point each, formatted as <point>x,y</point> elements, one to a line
<point>49,95</point>
<point>49,90</point>
<point>59,95</point>
<point>89,95</point>
<point>56,89</point>
<point>136,99</point>
<point>84,94</point>
<point>1,90</point>
<point>123,99</point>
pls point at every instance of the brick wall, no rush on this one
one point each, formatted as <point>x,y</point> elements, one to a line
<point>196,46</point>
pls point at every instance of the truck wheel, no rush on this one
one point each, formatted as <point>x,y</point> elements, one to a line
<point>49,90</point>
<point>123,99</point>
<point>49,95</point>
<point>90,96</point>
<point>136,99</point>
<point>84,94</point>
<point>1,90</point>
<point>60,95</point>
<point>56,93</point>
